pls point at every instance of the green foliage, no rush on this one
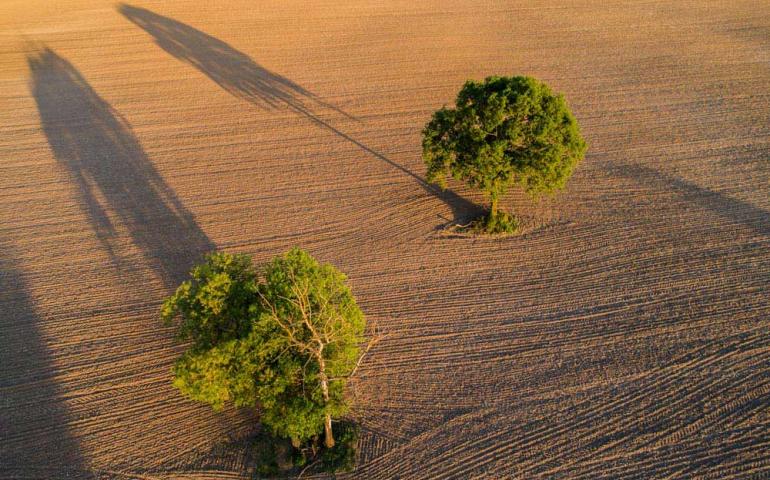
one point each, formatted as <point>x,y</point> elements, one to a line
<point>313,306</point>
<point>342,457</point>
<point>504,131</point>
<point>271,455</point>
<point>336,316</point>
<point>497,224</point>
<point>216,304</point>
<point>298,458</point>
<point>268,337</point>
<point>220,374</point>
<point>216,307</point>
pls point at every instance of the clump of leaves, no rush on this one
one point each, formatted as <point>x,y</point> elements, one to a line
<point>499,224</point>
<point>342,457</point>
<point>285,337</point>
<point>504,132</point>
<point>271,455</point>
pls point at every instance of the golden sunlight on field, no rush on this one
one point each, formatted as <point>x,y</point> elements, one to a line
<point>625,335</point>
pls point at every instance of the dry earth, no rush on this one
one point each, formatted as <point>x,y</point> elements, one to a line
<point>627,336</point>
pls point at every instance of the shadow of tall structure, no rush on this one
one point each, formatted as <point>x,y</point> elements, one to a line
<point>35,439</point>
<point>733,209</point>
<point>232,70</point>
<point>241,76</point>
<point>115,179</point>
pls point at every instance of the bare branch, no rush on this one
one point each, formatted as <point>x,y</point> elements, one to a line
<point>303,304</point>
<point>372,342</point>
<point>285,327</point>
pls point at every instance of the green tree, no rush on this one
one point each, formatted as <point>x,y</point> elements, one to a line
<point>504,131</point>
<point>315,311</point>
<point>285,337</point>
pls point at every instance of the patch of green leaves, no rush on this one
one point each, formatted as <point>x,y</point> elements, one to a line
<point>342,457</point>
<point>504,132</point>
<point>251,338</point>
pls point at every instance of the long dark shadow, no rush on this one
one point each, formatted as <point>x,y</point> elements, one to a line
<point>730,208</point>
<point>35,440</point>
<point>231,69</point>
<point>115,179</point>
<point>241,76</point>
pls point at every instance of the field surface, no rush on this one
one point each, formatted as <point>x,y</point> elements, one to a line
<point>626,335</point>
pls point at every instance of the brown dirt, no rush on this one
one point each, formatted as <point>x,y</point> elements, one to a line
<point>629,338</point>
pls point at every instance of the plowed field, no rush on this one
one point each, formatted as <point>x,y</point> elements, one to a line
<point>625,335</point>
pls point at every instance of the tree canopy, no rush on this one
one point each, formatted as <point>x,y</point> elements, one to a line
<point>284,337</point>
<point>504,131</point>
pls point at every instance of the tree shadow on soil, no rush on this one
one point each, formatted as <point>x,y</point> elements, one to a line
<point>733,209</point>
<point>35,439</point>
<point>241,76</point>
<point>115,179</point>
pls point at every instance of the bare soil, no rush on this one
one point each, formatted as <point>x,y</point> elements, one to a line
<point>627,335</point>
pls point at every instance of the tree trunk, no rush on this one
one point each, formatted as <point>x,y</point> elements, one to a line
<point>493,209</point>
<point>328,436</point>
